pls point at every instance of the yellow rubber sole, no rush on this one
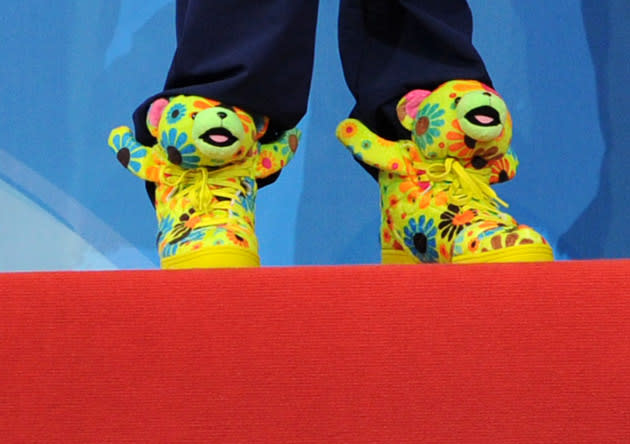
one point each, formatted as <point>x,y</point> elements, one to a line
<point>517,253</point>
<point>215,257</point>
<point>397,257</point>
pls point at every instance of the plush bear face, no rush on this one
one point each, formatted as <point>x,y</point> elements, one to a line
<point>463,119</point>
<point>195,131</point>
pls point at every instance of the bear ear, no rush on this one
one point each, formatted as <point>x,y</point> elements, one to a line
<point>155,114</point>
<point>409,105</point>
<point>262,124</point>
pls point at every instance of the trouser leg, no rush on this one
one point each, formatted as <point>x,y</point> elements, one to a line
<point>257,55</point>
<point>389,47</point>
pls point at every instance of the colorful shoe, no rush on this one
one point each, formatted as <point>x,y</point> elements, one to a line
<point>205,166</point>
<point>436,200</point>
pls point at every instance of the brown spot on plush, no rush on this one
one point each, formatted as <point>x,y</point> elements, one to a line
<point>496,242</point>
<point>124,156</point>
<point>174,156</point>
<point>293,142</point>
<point>400,111</point>
<point>479,162</point>
<point>470,142</point>
<point>526,241</point>
<point>422,126</point>
<point>511,239</point>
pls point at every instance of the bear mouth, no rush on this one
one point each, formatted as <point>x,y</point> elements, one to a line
<point>218,137</point>
<point>484,116</point>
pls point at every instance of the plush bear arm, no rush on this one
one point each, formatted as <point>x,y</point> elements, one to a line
<point>372,149</point>
<point>274,156</point>
<point>504,168</point>
<point>134,156</point>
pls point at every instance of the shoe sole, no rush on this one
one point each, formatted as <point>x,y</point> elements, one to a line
<point>215,257</point>
<point>515,254</point>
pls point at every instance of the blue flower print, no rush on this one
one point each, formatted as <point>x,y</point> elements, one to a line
<point>188,151</point>
<point>195,235</point>
<point>176,113</point>
<point>428,124</point>
<point>170,250</point>
<point>420,238</point>
<point>164,227</point>
<point>125,140</point>
<point>137,152</point>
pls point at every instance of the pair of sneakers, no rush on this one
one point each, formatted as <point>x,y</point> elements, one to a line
<point>436,197</point>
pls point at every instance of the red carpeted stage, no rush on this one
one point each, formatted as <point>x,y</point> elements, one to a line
<point>483,353</point>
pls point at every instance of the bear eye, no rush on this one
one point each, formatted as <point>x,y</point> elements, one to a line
<point>457,99</point>
<point>193,115</point>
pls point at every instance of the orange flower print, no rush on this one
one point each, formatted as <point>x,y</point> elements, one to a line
<point>393,201</point>
<point>349,130</point>
<point>425,200</point>
<point>472,85</point>
<point>462,145</point>
<point>397,165</point>
<point>489,225</point>
<point>153,173</point>
<point>387,236</point>
<point>414,186</point>
<point>441,198</point>
<point>384,142</point>
<point>414,153</point>
<point>453,221</point>
<point>389,221</point>
<point>503,169</point>
<point>205,104</point>
<point>445,254</point>
<point>266,162</point>
<point>237,240</point>
<point>397,246</point>
<point>473,245</point>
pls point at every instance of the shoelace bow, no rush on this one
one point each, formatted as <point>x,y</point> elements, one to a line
<point>209,190</point>
<point>466,184</point>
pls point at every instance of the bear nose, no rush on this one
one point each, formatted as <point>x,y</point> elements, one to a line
<point>222,115</point>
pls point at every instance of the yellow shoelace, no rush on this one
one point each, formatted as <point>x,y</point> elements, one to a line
<point>209,190</point>
<point>465,183</point>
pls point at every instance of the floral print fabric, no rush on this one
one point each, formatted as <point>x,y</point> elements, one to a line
<point>201,208</point>
<point>436,200</point>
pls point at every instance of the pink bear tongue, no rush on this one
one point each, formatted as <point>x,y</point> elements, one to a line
<point>219,138</point>
<point>484,119</point>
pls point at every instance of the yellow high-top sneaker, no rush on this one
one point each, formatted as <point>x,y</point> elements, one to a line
<point>436,200</point>
<point>205,166</point>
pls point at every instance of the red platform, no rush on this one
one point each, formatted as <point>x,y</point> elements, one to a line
<point>491,353</point>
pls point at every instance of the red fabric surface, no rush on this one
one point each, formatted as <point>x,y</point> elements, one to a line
<point>490,353</point>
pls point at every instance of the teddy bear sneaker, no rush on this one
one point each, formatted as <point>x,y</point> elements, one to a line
<point>436,197</point>
<point>205,166</point>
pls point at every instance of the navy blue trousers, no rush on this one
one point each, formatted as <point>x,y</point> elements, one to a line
<point>258,55</point>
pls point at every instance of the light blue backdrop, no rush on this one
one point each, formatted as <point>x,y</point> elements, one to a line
<point>73,69</point>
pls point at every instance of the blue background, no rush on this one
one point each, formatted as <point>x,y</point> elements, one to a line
<point>72,70</point>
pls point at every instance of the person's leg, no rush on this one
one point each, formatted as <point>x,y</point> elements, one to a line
<point>223,125</point>
<point>416,76</point>
<point>251,54</point>
<point>389,47</point>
